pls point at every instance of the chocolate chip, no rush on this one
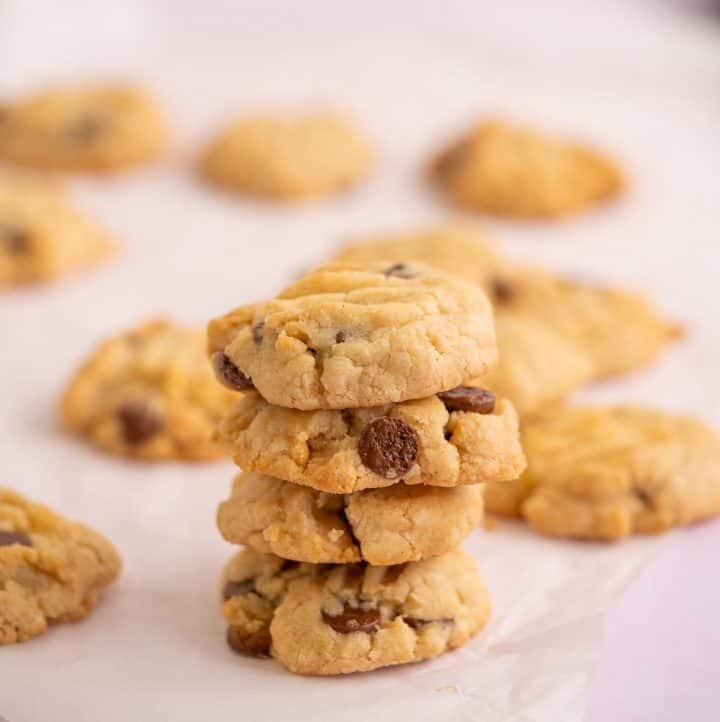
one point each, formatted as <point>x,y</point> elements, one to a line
<point>257,332</point>
<point>228,374</point>
<point>139,423</point>
<point>388,446</point>
<point>340,337</point>
<point>399,270</point>
<point>14,238</point>
<point>86,128</point>
<point>237,589</point>
<point>353,619</point>
<point>254,644</point>
<point>8,538</point>
<point>643,496</point>
<point>502,291</point>
<point>449,161</point>
<point>417,623</point>
<point>468,398</point>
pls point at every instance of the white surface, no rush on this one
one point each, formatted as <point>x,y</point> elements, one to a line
<point>640,83</point>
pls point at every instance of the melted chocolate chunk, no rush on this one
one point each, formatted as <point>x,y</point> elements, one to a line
<point>8,538</point>
<point>139,422</point>
<point>254,644</point>
<point>228,374</point>
<point>468,398</point>
<point>353,619</point>
<point>340,337</point>
<point>388,446</point>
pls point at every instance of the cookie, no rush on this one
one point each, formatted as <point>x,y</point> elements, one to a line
<point>42,235</point>
<point>537,365</point>
<point>586,331</point>
<point>346,337</point>
<point>338,619</point>
<point>512,171</point>
<point>619,330</point>
<point>380,526</point>
<point>51,570</point>
<point>608,472</point>
<point>287,158</point>
<point>100,128</point>
<point>148,393</point>
<point>458,437</point>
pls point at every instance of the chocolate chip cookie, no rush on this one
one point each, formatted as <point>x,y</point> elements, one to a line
<point>345,337</point>
<point>585,331</point>
<point>42,235</point>
<point>380,526</point>
<point>513,171</point>
<point>461,436</point>
<point>51,570</point>
<point>287,158</point>
<point>608,472</point>
<point>101,128</point>
<point>149,393</point>
<point>336,619</point>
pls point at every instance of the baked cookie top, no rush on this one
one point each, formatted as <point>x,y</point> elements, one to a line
<point>337,619</point>
<point>380,526</point>
<point>42,235</point>
<point>586,331</point>
<point>148,393</point>
<point>345,337</point>
<point>608,472</point>
<point>51,570</point>
<point>463,436</point>
<point>514,171</point>
<point>287,157</point>
<point>95,128</point>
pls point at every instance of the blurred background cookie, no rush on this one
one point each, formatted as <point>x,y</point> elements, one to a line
<point>514,171</point>
<point>285,157</point>
<point>93,128</point>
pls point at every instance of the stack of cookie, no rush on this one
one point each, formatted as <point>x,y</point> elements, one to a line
<point>363,458</point>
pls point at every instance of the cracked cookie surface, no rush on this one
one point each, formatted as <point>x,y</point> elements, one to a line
<point>586,331</point>
<point>608,472</point>
<point>337,619</point>
<point>81,129</point>
<point>380,526</point>
<point>42,235</point>
<point>287,158</point>
<point>443,442</point>
<point>149,393</point>
<point>512,171</point>
<point>345,337</point>
<point>51,570</point>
